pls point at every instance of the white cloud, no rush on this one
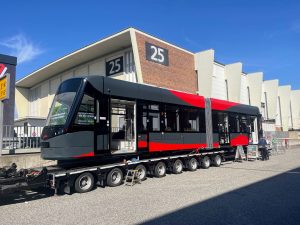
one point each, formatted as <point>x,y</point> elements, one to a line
<point>21,47</point>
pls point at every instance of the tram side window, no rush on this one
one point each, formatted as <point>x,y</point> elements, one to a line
<point>234,123</point>
<point>202,127</point>
<point>142,118</point>
<point>154,118</point>
<point>189,120</point>
<point>86,112</point>
<point>223,118</point>
<point>252,126</point>
<point>171,118</point>
<point>215,121</point>
<point>220,121</point>
<point>244,124</point>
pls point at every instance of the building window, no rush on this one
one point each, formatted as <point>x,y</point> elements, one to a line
<point>266,106</point>
<point>248,91</point>
<point>35,95</point>
<point>280,114</point>
<point>226,86</point>
<point>263,110</point>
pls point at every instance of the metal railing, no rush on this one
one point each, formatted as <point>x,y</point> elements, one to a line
<point>281,145</point>
<point>20,137</point>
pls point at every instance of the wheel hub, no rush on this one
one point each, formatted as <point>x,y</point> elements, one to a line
<point>115,177</point>
<point>178,166</point>
<point>85,183</point>
<point>161,170</point>
<point>194,164</point>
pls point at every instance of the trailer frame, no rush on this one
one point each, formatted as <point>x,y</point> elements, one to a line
<point>62,180</point>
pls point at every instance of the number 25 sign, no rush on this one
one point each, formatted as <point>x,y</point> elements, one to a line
<point>157,54</point>
<point>114,66</point>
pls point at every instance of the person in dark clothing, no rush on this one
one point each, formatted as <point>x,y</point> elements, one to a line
<point>262,145</point>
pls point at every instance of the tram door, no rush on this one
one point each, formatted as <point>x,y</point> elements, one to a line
<point>224,137</point>
<point>142,126</point>
<point>102,125</point>
<point>254,129</point>
<point>123,123</point>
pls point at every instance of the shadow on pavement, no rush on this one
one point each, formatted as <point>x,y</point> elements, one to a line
<point>25,196</point>
<point>275,200</point>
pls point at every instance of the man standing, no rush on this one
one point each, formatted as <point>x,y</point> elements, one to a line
<point>262,146</point>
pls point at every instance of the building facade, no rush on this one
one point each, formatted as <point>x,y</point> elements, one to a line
<point>135,56</point>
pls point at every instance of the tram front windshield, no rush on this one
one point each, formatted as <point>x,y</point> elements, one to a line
<point>63,102</point>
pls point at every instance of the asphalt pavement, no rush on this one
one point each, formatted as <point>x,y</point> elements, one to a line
<point>256,192</point>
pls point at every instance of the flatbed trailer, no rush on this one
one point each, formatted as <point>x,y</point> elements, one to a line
<point>85,178</point>
<point>103,127</point>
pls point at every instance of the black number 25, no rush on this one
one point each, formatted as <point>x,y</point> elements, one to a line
<point>114,66</point>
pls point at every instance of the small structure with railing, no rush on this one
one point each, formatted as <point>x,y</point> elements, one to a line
<point>20,139</point>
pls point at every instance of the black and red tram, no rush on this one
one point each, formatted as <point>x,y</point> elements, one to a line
<point>97,117</point>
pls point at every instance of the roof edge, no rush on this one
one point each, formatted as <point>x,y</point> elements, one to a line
<point>75,52</point>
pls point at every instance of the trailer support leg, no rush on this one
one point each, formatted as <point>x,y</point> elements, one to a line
<point>101,178</point>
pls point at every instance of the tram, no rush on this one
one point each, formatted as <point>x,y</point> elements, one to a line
<point>99,118</point>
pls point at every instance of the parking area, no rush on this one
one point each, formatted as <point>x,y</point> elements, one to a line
<point>256,192</point>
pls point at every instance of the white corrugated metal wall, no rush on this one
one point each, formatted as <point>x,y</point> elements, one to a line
<point>244,97</point>
<point>129,66</point>
<point>218,82</point>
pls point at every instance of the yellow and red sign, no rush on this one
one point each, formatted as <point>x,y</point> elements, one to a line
<point>3,89</point>
<point>3,69</point>
<point>3,83</point>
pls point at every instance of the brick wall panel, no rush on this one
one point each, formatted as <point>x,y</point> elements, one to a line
<point>179,75</point>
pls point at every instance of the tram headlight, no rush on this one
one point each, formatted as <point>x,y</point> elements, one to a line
<point>59,132</point>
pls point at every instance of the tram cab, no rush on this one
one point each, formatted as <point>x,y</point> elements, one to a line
<point>78,124</point>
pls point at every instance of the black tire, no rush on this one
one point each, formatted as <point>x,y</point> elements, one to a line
<point>84,182</point>
<point>114,177</point>
<point>177,166</point>
<point>160,169</point>
<point>205,162</point>
<point>142,171</point>
<point>192,164</point>
<point>217,160</point>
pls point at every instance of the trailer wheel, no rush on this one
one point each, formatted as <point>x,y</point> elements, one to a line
<point>160,169</point>
<point>205,162</point>
<point>142,171</point>
<point>192,164</point>
<point>114,177</point>
<point>84,182</point>
<point>177,166</point>
<point>217,161</point>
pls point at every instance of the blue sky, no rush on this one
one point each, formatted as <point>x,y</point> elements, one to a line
<point>263,35</point>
